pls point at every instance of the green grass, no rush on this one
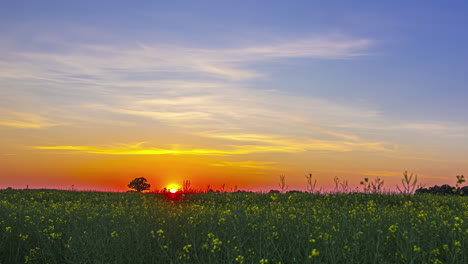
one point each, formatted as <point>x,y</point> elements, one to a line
<point>38,226</point>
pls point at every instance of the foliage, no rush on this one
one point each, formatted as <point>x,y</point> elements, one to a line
<point>310,184</point>
<point>460,180</point>
<point>139,184</point>
<point>444,190</point>
<point>41,226</point>
<point>186,186</point>
<point>341,186</point>
<point>372,187</point>
<point>282,183</point>
<point>408,183</point>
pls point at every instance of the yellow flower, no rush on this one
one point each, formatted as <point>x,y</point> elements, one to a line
<point>187,248</point>
<point>263,261</point>
<point>114,234</point>
<point>393,228</point>
<point>240,259</point>
<point>416,248</point>
<point>314,253</point>
<point>160,233</point>
<point>457,243</point>
<point>32,254</point>
<point>55,235</point>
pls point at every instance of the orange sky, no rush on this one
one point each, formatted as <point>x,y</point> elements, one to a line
<point>56,158</point>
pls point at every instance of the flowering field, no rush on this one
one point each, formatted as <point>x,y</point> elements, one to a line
<point>38,226</point>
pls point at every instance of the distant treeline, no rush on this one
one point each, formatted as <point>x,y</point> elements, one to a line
<point>444,190</point>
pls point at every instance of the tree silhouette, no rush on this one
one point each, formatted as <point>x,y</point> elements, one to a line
<point>139,184</point>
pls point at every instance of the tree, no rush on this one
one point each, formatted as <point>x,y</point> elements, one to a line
<point>139,184</point>
<point>460,180</point>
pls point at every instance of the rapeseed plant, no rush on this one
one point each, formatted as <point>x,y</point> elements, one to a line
<point>232,228</point>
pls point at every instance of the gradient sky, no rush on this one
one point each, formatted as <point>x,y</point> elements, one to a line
<point>96,93</point>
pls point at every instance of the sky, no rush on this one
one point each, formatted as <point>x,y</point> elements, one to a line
<point>232,93</point>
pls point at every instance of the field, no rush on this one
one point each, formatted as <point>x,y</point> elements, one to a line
<point>46,226</point>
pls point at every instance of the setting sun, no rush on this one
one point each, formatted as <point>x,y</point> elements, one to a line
<point>173,188</point>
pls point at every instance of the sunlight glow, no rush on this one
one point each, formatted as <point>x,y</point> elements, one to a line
<point>173,188</point>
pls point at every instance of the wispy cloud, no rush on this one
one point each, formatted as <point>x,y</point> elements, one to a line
<point>434,127</point>
<point>236,108</point>
<point>329,47</point>
<point>128,149</point>
<point>177,83</point>
<point>248,144</point>
<point>124,149</point>
<point>298,144</point>
<point>16,119</point>
<point>246,164</point>
<point>206,94</point>
<point>424,127</point>
<point>140,151</point>
<point>85,63</point>
<point>337,134</point>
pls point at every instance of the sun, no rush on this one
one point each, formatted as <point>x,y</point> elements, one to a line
<point>173,188</point>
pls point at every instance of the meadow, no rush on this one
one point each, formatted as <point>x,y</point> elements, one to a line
<point>50,226</point>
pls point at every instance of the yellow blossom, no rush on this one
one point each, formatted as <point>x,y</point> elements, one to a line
<point>314,253</point>
<point>393,228</point>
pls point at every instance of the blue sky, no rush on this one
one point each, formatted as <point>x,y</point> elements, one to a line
<point>417,48</point>
<point>384,79</point>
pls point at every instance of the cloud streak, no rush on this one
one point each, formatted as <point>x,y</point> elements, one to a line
<point>95,61</point>
<point>22,120</point>
<point>243,144</point>
<point>246,165</point>
<point>174,151</point>
<point>304,143</point>
<point>177,84</point>
<point>202,91</point>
